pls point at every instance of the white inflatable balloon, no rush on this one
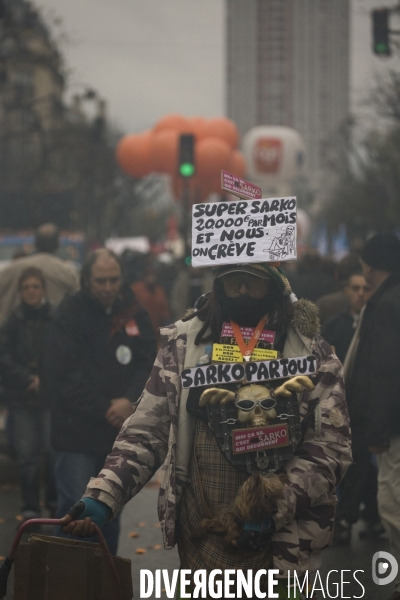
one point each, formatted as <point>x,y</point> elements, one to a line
<point>273,154</point>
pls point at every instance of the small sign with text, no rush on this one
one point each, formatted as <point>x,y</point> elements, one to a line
<point>239,187</point>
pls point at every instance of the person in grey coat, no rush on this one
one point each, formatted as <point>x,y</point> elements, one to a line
<point>61,277</point>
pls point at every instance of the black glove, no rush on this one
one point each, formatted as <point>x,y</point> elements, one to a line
<point>89,507</point>
<point>256,536</point>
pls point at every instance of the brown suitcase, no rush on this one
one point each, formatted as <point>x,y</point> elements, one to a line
<point>51,568</point>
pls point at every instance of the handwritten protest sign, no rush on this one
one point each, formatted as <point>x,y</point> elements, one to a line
<point>250,371</point>
<point>246,231</point>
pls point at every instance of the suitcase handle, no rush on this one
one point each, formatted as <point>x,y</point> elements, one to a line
<point>8,562</point>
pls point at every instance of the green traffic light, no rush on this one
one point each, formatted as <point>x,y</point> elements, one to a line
<point>381,48</point>
<point>186,169</point>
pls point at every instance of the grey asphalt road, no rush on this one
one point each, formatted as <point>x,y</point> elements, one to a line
<point>140,517</point>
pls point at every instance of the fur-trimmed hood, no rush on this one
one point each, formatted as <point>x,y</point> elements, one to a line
<point>305,318</point>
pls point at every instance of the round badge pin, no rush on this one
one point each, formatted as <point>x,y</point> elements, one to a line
<point>124,355</point>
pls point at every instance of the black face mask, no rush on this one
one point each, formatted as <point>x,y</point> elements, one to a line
<point>245,310</point>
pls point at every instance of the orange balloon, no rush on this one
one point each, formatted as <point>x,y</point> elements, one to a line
<point>196,126</point>
<point>222,128</point>
<point>211,155</point>
<point>237,164</point>
<point>164,151</point>
<point>133,154</point>
<point>176,122</point>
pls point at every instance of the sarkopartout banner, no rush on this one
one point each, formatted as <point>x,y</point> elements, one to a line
<point>246,231</point>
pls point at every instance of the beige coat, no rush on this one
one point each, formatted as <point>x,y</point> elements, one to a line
<point>61,278</point>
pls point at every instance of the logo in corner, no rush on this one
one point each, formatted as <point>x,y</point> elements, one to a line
<point>384,568</point>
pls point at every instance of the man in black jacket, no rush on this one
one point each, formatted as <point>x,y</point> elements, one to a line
<point>360,482</point>
<point>339,330</point>
<point>100,354</point>
<point>375,378</point>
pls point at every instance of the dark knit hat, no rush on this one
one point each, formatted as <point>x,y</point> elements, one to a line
<point>382,252</point>
<point>264,270</point>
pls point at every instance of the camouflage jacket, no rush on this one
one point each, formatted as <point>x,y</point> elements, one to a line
<point>150,439</point>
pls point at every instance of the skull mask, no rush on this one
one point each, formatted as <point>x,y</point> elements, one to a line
<point>255,406</point>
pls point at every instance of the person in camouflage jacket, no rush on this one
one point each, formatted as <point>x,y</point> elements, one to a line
<point>161,432</point>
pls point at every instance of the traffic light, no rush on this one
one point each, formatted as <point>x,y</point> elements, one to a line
<point>380,32</point>
<point>186,166</point>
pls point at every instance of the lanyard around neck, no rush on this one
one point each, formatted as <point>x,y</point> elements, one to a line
<point>247,349</point>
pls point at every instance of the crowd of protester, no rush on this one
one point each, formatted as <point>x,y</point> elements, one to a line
<point>360,318</point>
<point>77,348</point>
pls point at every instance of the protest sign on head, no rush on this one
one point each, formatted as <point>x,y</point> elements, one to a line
<point>246,231</point>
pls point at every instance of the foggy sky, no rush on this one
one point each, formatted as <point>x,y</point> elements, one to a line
<point>148,58</point>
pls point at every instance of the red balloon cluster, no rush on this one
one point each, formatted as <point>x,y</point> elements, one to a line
<point>156,150</point>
